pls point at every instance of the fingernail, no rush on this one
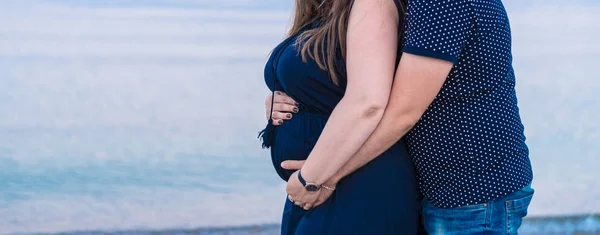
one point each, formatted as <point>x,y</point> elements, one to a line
<point>297,104</point>
<point>295,110</point>
<point>288,115</point>
<point>280,121</point>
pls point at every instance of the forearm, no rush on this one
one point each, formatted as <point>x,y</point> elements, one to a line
<point>348,127</point>
<point>389,131</point>
<point>418,81</point>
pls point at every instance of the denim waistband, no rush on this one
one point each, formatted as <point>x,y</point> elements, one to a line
<point>526,191</point>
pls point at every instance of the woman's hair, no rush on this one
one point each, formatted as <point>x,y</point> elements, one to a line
<point>322,43</point>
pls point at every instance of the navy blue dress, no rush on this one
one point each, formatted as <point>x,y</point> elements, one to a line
<point>379,198</point>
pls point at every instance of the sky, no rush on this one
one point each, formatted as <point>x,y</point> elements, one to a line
<point>73,55</point>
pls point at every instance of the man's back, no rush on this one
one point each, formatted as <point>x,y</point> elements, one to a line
<point>469,147</point>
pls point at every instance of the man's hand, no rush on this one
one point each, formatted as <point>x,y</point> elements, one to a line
<point>283,107</point>
<point>323,194</point>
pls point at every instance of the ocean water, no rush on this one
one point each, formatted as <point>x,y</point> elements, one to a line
<point>582,225</point>
<point>143,115</point>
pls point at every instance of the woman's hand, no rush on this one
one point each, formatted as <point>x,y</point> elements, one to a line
<point>296,192</point>
<point>299,195</point>
<point>283,107</point>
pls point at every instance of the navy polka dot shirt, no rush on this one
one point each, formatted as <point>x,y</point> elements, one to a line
<point>469,146</point>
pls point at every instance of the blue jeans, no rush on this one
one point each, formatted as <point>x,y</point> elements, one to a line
<point>502,216</point>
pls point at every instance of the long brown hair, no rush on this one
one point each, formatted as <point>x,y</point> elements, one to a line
<point>323,43</point>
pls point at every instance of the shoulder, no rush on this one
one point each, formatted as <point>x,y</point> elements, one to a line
<point>446,6</point>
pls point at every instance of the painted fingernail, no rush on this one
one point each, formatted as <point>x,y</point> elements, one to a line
<point>295,110</point>
<point>280,121</point>
<point>288,115</point>
<point>297,104</point>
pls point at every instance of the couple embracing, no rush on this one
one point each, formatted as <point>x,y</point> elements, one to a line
<point>397,117</point>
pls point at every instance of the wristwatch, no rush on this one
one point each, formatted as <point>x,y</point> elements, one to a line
<point>311,187</point>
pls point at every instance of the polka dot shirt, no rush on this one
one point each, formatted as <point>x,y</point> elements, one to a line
<point>469,146</point>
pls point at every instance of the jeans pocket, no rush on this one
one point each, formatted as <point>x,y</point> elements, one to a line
<point>516,210</point>
<point>461,220</point>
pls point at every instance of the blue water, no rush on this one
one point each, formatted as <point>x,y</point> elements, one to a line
<point>143,115</point>
<point>583,225</point>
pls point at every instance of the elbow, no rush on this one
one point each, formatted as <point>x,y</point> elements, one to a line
<point>367,107</point>
<point>406,119</point>
<point>372,111</point>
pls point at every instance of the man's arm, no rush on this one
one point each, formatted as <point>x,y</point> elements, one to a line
<point>417,82</point>
<point>430,47</point>
<point>433,41</point>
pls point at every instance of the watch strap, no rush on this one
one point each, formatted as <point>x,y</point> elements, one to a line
<point>302,181</point>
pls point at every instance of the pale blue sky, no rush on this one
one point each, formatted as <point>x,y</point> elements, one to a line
<point>145,64</point>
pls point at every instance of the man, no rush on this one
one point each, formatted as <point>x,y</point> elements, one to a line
<point>454,101</point>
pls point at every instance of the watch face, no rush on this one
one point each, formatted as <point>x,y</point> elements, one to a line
<point>312,188</point>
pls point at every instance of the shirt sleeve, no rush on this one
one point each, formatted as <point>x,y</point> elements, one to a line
<point>438,28</point>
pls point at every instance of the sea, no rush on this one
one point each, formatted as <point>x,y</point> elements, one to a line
<point>141,117</point>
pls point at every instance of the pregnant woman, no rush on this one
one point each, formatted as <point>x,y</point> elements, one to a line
<point>338,63</point>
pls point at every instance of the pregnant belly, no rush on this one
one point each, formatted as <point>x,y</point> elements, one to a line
<point>295,139</point>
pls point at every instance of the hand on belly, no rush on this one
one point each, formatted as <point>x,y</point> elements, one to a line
<point>294,140</point>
